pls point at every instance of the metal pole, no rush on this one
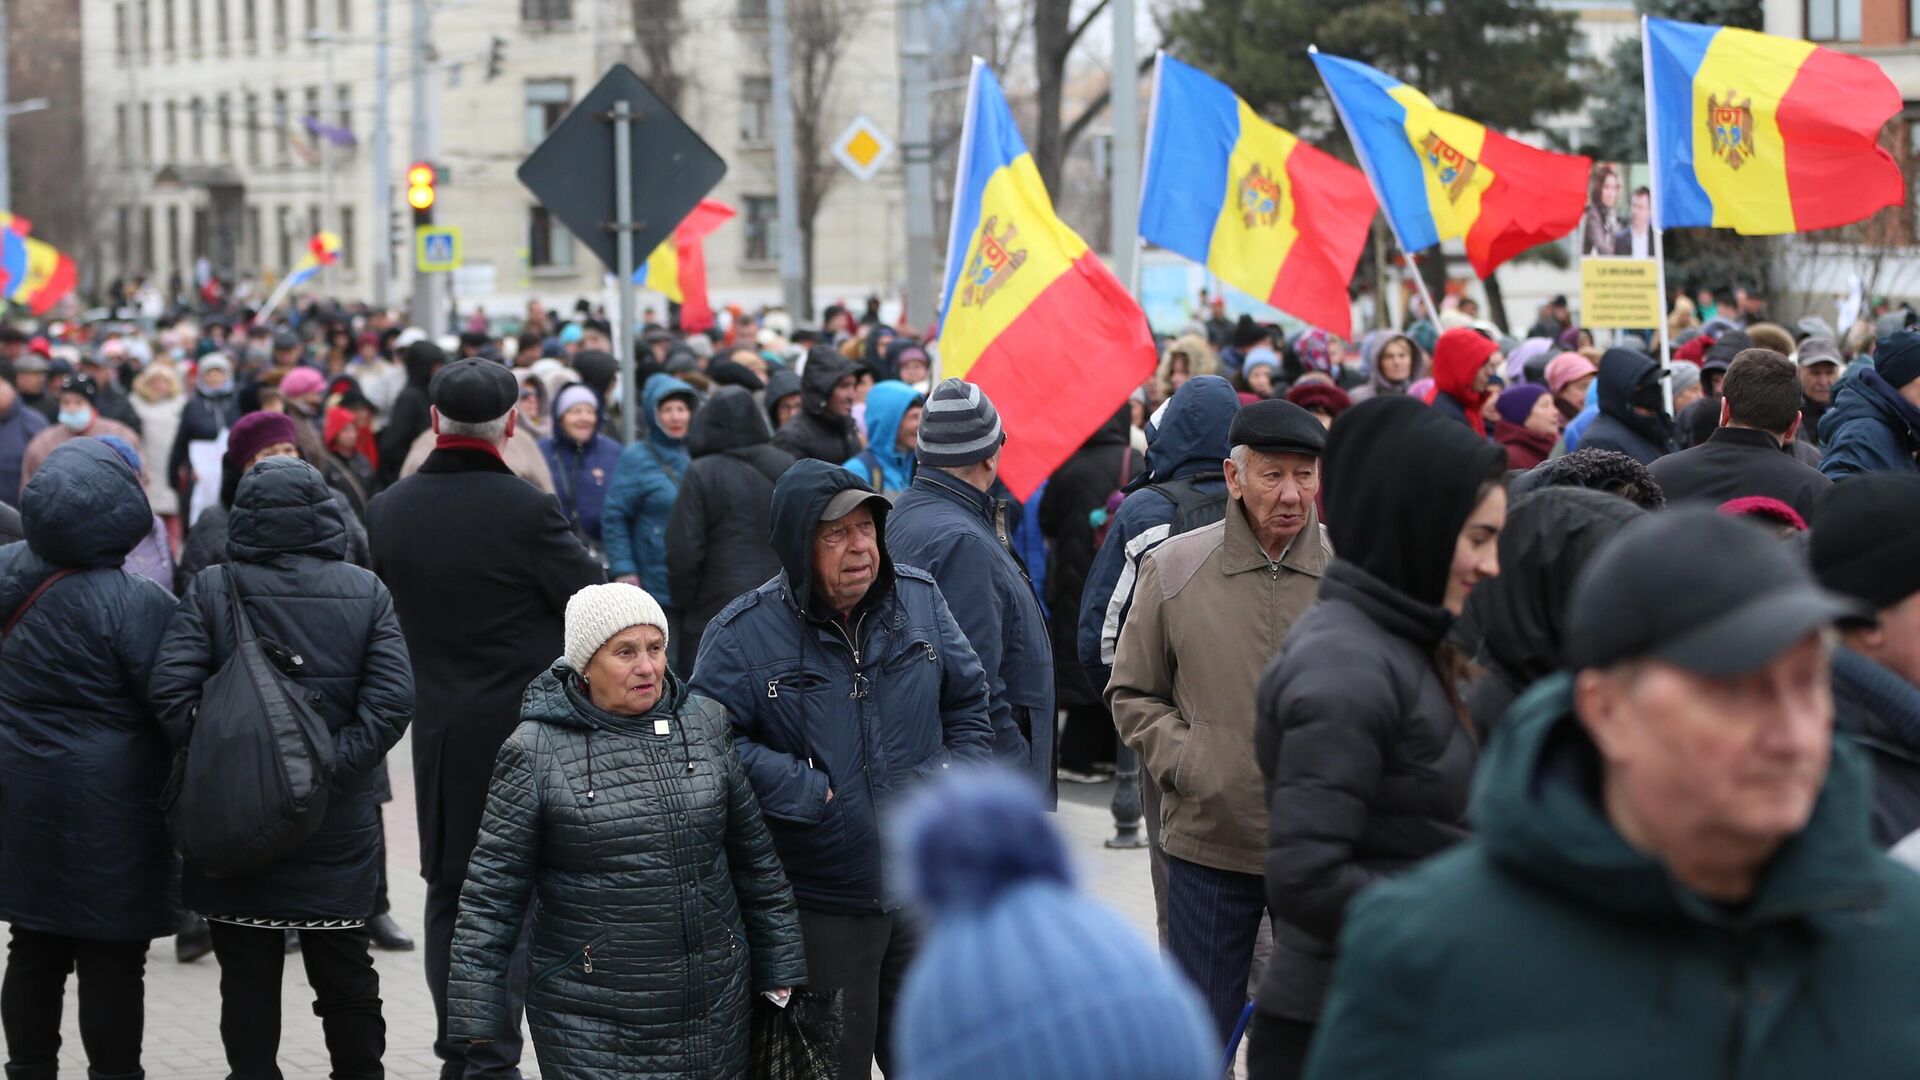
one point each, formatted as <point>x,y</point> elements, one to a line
<point>1124,101</point>
<point>783,164</point>
<point>623,258</point>
<point>382,164</point>
<point>916,59</point>
<point>327,209</point>
<point>1653,201</point>
<point>6,98</point>
<point>426,293</point>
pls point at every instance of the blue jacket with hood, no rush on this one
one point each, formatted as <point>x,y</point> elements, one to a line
<point>640,502</point>
<point>886,469</point>
<point>1870,429</point>
<point>582,473</point>
<point>864,707</point>
<point>1190,439</point>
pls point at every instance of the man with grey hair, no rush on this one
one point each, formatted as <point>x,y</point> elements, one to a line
<point>951,524</point>
<point>481,565</point>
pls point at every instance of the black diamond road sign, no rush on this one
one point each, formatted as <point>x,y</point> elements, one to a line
<point>572,169</point>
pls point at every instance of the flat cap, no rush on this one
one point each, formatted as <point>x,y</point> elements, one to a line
<point>473,391</point>
<point>1277,427</point>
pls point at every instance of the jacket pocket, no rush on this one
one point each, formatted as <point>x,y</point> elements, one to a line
<point>582,956</point>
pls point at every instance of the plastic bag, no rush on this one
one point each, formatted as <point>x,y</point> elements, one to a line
<point>797,1042</point>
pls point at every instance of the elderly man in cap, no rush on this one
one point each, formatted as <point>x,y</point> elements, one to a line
<point>481,565</point>
<point>1820,362</point>
<point>849,684</point>
<point>1209,611</point>
<point>949,524</point>
<point>30,377</point>
<point>1671,873</point>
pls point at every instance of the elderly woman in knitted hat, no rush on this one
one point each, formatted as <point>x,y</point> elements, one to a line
<point>620,803</point>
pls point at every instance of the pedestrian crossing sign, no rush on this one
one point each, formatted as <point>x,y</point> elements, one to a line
<point>436,248</point>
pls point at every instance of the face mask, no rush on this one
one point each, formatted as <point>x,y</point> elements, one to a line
<point>76,420</point>
<point>222,390</point>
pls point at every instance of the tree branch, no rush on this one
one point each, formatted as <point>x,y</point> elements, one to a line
<point>1094,108</point>
<point>1073,35</point>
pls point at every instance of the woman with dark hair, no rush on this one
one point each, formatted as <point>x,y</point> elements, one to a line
<point>1601,221</point>
<point>1362,735</point>
<point>1393,363</point>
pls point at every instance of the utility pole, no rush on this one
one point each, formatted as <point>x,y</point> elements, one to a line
<point>382,163</point>
<point>6,99</point>
<point>916,145</point>
<point>427,310</point>
<point>328,211</point>
<point>783,163</point>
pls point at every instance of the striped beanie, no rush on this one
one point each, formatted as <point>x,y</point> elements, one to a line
<point>958,427</point>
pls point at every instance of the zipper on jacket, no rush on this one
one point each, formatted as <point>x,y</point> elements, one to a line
<point>1742,995</point>
<point>586,959</point>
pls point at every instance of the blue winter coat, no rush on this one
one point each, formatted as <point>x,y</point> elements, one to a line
<point>865,710</point>
<point>958,533</point>
<point>1190,440</point>
<point>640,503</point>
<point>17,429</point>
<point>83,847</point>
<point>582,475</point>
<point>886,469</point>
<point>1576,428</point>
<point>1870,429</point>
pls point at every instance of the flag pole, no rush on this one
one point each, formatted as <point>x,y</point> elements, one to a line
<point>1366,168</point>
<point>1653,192</point>
<point>956,251</point>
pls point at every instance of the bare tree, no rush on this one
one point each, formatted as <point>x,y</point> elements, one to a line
<point>819,31</point>
<point>657,31</point>
<point>1055,33</point>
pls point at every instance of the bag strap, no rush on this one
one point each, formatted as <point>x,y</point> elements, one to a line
<point>242,626</point>
<point>1126,467</point>
<point>39,590</point>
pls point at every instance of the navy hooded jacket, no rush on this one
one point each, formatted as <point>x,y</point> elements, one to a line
<point>1190,440</point>
<point>863,708</point>
<point>1870,428</point>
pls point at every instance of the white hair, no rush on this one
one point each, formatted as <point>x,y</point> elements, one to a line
<point>493,431</point>
<point>1241,455</point>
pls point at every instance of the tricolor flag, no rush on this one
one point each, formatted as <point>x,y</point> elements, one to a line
<point>1271,215</point>
<point>322,250</point>
<point>678,267</point>
<point>1764,134</point>
<point>1027,312</point>
<point>49,276</point>
<point>13,250</point>
<point>1440,176</point>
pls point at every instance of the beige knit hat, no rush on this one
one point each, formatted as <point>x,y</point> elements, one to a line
<point>597,612</point>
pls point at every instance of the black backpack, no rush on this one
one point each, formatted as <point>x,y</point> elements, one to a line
<point>1193,508</point>
<point>252,783</point>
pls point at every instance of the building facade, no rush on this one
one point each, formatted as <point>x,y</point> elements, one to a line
<point>225,133</point>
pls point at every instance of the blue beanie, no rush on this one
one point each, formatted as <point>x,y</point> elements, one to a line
<point>1897,358</point>
<point>1022,976</point>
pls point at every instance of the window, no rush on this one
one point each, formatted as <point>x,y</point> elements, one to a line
<point>546,10</point>
<point>166,26</point>
<point>123,234</point>
<point>751,9</point>
<point>279,24</point>
<point>762,231</point>
<point>756,109</point>
<point>146,239</point>
<point>222,37</point>
<point>173,238</point>
<point>146,138</point>
<point>122,138</point>
<point>346,237</point>
<point>201,233</point>
<point>193,27</point>
<point>547,101</point>
<point>120,32</point>
<point>197,116</point>
<point>1833,20</point>
<point>549,244</point>
<point>250,24</point>
<point>312,112</point>
<point>223,116</point>
<point>173,131</point>
<point>315,221</point>
<point>343,16</point>
<point>254,239</point>
<point>280,133</point>
<point>344,95</point>
<point>283,225</point>
<point>253,128</point>
<point>146,30</point>
<point>313,15</point>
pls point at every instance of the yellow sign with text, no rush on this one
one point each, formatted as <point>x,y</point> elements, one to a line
<point>1620,294</point>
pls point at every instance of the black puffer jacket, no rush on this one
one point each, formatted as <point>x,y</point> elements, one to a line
<point>1078,489</point>
<point>660,906</point>
<point>1522,614</point>
<point>720,537</point>
<point>206,543</point>
<point>1881,712</point>
<point>83,850</point>
<point>814,432</point>
<point>287,544</point>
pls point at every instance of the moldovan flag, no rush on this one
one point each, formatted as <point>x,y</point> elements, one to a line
<point>1440,176</point>
<point>1764,134</point>
<point>49,276</point>
<point>13,250</point>
<point>321,251</point>
<point>1270,215</point>
<point>678,267</point>
<point>1028,313</point>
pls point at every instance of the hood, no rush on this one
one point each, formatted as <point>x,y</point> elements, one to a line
<point>1201,359</point>
<point>799,498</point>
<point>781,383</point>
<point>1548,537</point>
<point>1536,807</point>
<point>655,390</point>
<point>551,698</point>
<point>283,507</point>
<point>1191,436</point>
<point>1375,344</point>
<point>1621,370</point>
<point>145,384</point>
<point>1867,393</point>
<point>897,349</point>
<point>1460,355</point>
<point>84,507</point>
<point>824,369</point>
<point>887,405</point>
<point>422,358</point>
<point>730,420</point>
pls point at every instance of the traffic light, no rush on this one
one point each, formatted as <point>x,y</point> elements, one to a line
<point>420,192</point>
<point>496,58</point>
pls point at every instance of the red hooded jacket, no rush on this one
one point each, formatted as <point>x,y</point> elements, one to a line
<point>1457,357</point>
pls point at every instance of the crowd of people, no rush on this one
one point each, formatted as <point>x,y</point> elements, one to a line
<point>1494,699</point>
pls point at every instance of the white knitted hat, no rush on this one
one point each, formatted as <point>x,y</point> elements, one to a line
<point>597,612</point>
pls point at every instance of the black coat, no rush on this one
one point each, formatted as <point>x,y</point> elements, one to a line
<point>1738,462</point>
<point>206,543</point>
<point>662,906</point>
<point>481,564</point>
<point>1880,711</point>
<point>287,547</point>
<point>1367,768</point>
<point>83,849</point>
<point>1078,489</point>
<point>1618,427</point>
<point>411,414</point>
<point>10,527</point>
<point>202,419</point>
<point>720,537</point>
<point>814,432</point>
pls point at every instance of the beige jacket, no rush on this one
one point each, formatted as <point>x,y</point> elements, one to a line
<point>522,455</point>
<point>1209,612</point>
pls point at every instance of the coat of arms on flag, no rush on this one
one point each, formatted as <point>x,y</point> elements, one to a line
<point>1730,127</point>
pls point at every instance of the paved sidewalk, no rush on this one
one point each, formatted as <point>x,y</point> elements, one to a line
<point>183,1000</point>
